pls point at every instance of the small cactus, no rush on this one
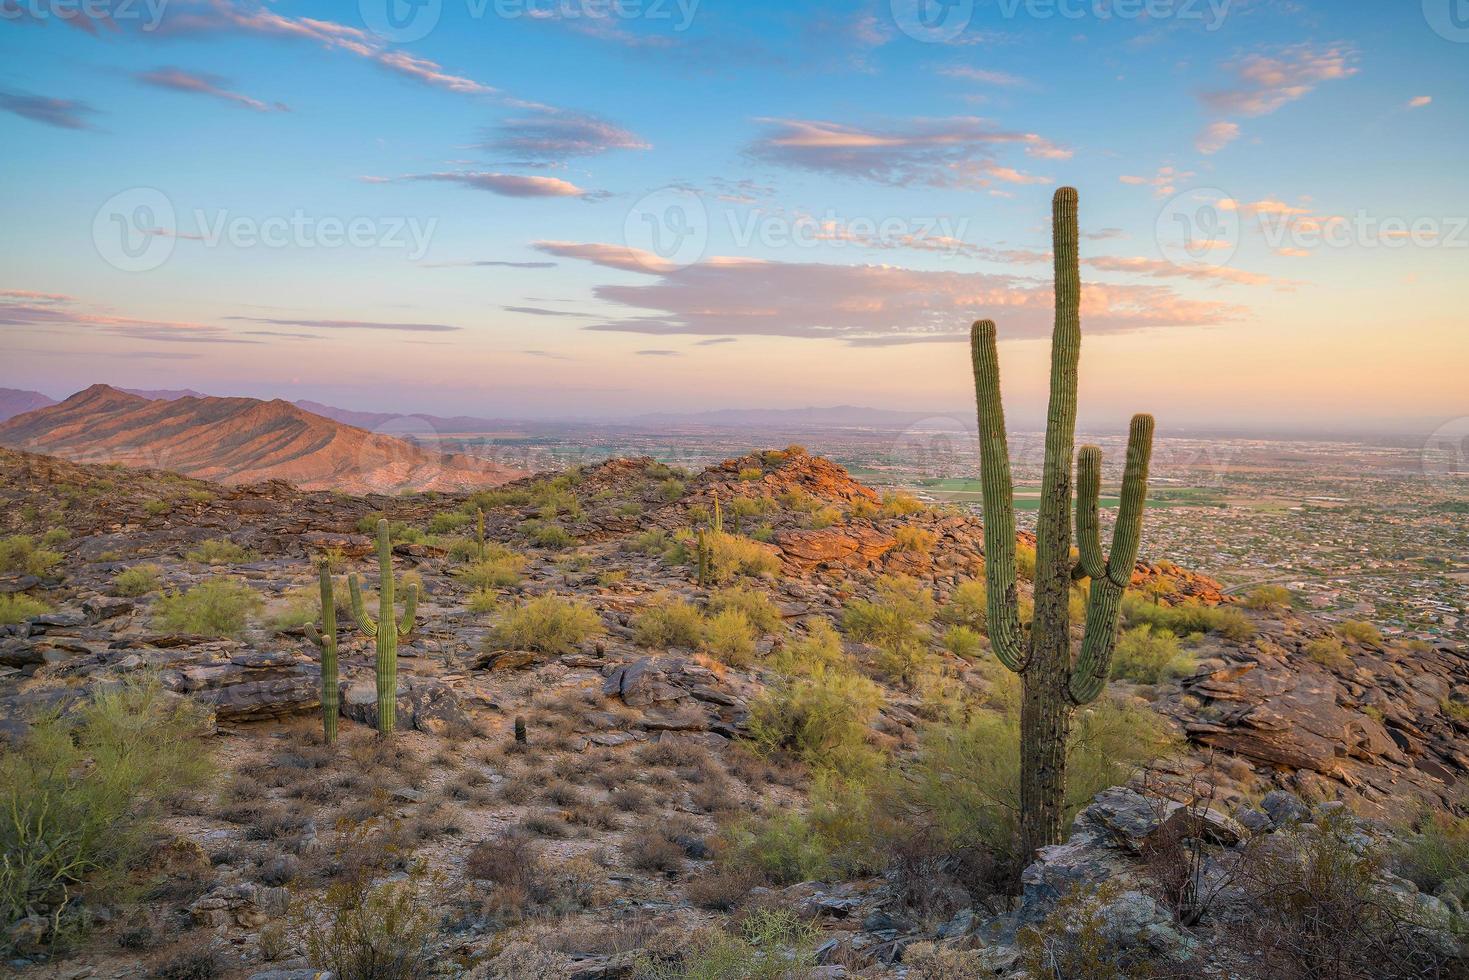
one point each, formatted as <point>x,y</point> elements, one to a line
<point>327,641</point>
<point>519,730</point>
<point>387,629</point>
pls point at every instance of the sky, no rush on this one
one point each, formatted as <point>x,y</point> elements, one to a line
<point>596,208</point>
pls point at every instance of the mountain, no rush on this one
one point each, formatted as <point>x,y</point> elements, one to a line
<point>16,401</point>
<point>164,394</point>
<point>239,440</point>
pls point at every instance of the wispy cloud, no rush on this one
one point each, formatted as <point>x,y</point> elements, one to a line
<point>350,324</point>
<point>551,136</point>
<point>61,113</point>
<point>954,152</point>
<point>489,264</point>
<point>658,353</point>
<point>1216,136</point>
<point>867,304</point>
<point>1419,101</point>
<point>1164,183</point>
<point>1264,83</point>
<point>984,75</point>
<point>540,311</point>
<point>202,83</point>
<point>23,308</point>
<point>1162,269</point>
<point>506,185</point>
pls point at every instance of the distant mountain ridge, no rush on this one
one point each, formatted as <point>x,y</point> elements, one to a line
<point>17,401</point>
<point>239,440</point>
<point>832,416</point>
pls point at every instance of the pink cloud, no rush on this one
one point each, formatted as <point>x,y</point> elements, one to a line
<point>1264,83</point>
<point>507,185</point>
<point>1419,101</point>
<point>1216,136</point>
<point>201,83</point>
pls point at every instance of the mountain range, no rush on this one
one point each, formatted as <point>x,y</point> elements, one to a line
<point>238,440</point>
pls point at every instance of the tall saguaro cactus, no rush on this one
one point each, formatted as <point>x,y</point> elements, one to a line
<point>327,641</point>
<point>1053,684</point>
<point>387,628</point>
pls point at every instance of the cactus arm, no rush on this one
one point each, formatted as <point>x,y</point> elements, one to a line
<point>1003,602</point>
<point>365,623</point>
<point>330,692</point>
<point>1094,664</point>
<point>1128,532</point>
<point>312,635</point>
<point>410,609</point>
<point>1088,525</point>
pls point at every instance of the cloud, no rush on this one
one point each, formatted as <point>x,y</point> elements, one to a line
<point>489,264</point>
<point>540,311</point>
<point>201,83</point>
<point>1216,136</point>
<point>1102,234</point>
<point>658,353</point>
<point>1164,183</point>
<point>34,297</point>
<point>955,152</point>
<point>987,76</point>
<point>623,257</point>
<point>507,185</point>
<point>1293,252</point>
<point>61,113</point>
<point>1419,101</point>
<point>551,136</point>
<point>350,324</point>
<point>715,341</point>
<point>1162,269</point>
<point>550,355</point>
<point>1264,83</point>
<point>22,308</point>
<point>867,304</point>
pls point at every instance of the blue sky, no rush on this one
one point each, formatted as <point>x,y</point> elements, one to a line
<point>1271,194</point>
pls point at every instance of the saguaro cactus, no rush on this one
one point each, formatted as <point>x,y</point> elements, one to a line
<point>387,628</point>
<point>1052,684</point>
<point>327,641</point>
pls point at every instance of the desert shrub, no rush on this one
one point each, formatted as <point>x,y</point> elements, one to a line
<point>654,541</point>
<point>962,641</point>
<point>1268,597</point>
<point>1359,631</point>
<point>729,636</point>
<point>824,517</point>
<point>900,505</point>
<point>669,623</point>
<point>671,489</point>
<point>900,613</point>
<point>936,961</point>
<point>82,796</point>
<point>1150,656</point>
<point>365,931</point>
<point>157,508</point>
<point>1328,651</point>
<point>18,607</point>
<point>548,624</point>
<point>1077,941</point>
<point>302,606</point>
<point>800,500</point>
<point>744,507</point>
<point>1025,561</point>
<point>499,568</point>
<point>191,964</point>
<point>1187,617</point>
<point>548,535</point>
<point>818,649</point>
<point>214,607</point>
<point>1435,853</point>
<point>653,849</point>
<point>137,581</point>
<point>770,944</point>
<point>450,520</point>
<point>967,606</point>
<point>19,553</point>
<point>483,601</point>
<point>915,539</point>
<point>783,847</point>
<point>55,536</point>
<point>734,556</point>
<point>756,605</point>
<point>218,551</point>
<point>821,716</point>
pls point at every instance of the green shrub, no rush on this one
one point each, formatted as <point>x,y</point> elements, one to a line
<point>783,846</point>
<point>751,473</point>
<point>733,556</point>
<point>361,930</point>
<point>215,607</point>
<point>862,509</point>
<point>483,600</point>
<point>899,615</point>
<point>55,536</point>
<point>670,623</point>
<point>1328,651</point>
<point>137,581</point>
<point>82,794</point>
<point>219,552</point>
<point>770,944</point>
<point>199,496</point>
<point>1268,597</point>
<point>548,535</point>
<point>915,539</point>
<point>819,649</point>
<point>820,716</point>
<point>967,606</point>
<point>1187,617</point>
<point>1150,656</point>
<point>157,508</point>
<point>962,641</point>
<point>1359,631</point>
<point>900,504</point>
<point>654,541</point>
<point>19,553</point>
<point>548,624</point>
<point>1025,561</point>
<point>671,489</point>
<point>729,636</point>
<point>499,568</point>
<point>1435,853</point>
<point>451,520</point>
<point>756,605</point>
<point>17,607</point>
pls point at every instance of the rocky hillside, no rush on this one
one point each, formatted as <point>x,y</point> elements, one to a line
<point>15,401</point>
<point>238,441</point>
<point>606,836</point>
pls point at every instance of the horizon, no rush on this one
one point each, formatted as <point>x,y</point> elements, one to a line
<point>521,213</point>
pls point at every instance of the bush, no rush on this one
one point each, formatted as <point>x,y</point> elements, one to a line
<point>756,605</point>
<point>137,581</point>
<point>82,798</point>
<point>498,568</point>
<point>967,606</point>
<point>900,505</point>
<point>1360,632</point>
<point>1328,651</point>
<point>1150,657</point>
<point>18,607</point>
<point>215,607</point>
<point>820,716</point>
<point>1436,853</point>
<point>729,636</point>
<point>671,489</point>
<point>915,539</point>
<point>548,624</point>
<point>733,556</point>
<point>1025,562</point>
<point>819,649</point>
<point>783,847</point>
<point>547,535</point>
<point>900,614</point>
<point>653,541</point>
<point>19,553</point>
<point>157,508</point>
<point>218,551</point>
<point>55,536</point>
<point>362,931</point>
<point>1268,597</point>
<point>962,641</point>
<point>1187,617</point>
<point>824,517</point>
<point>670,623</point>
<point>770,944</point>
